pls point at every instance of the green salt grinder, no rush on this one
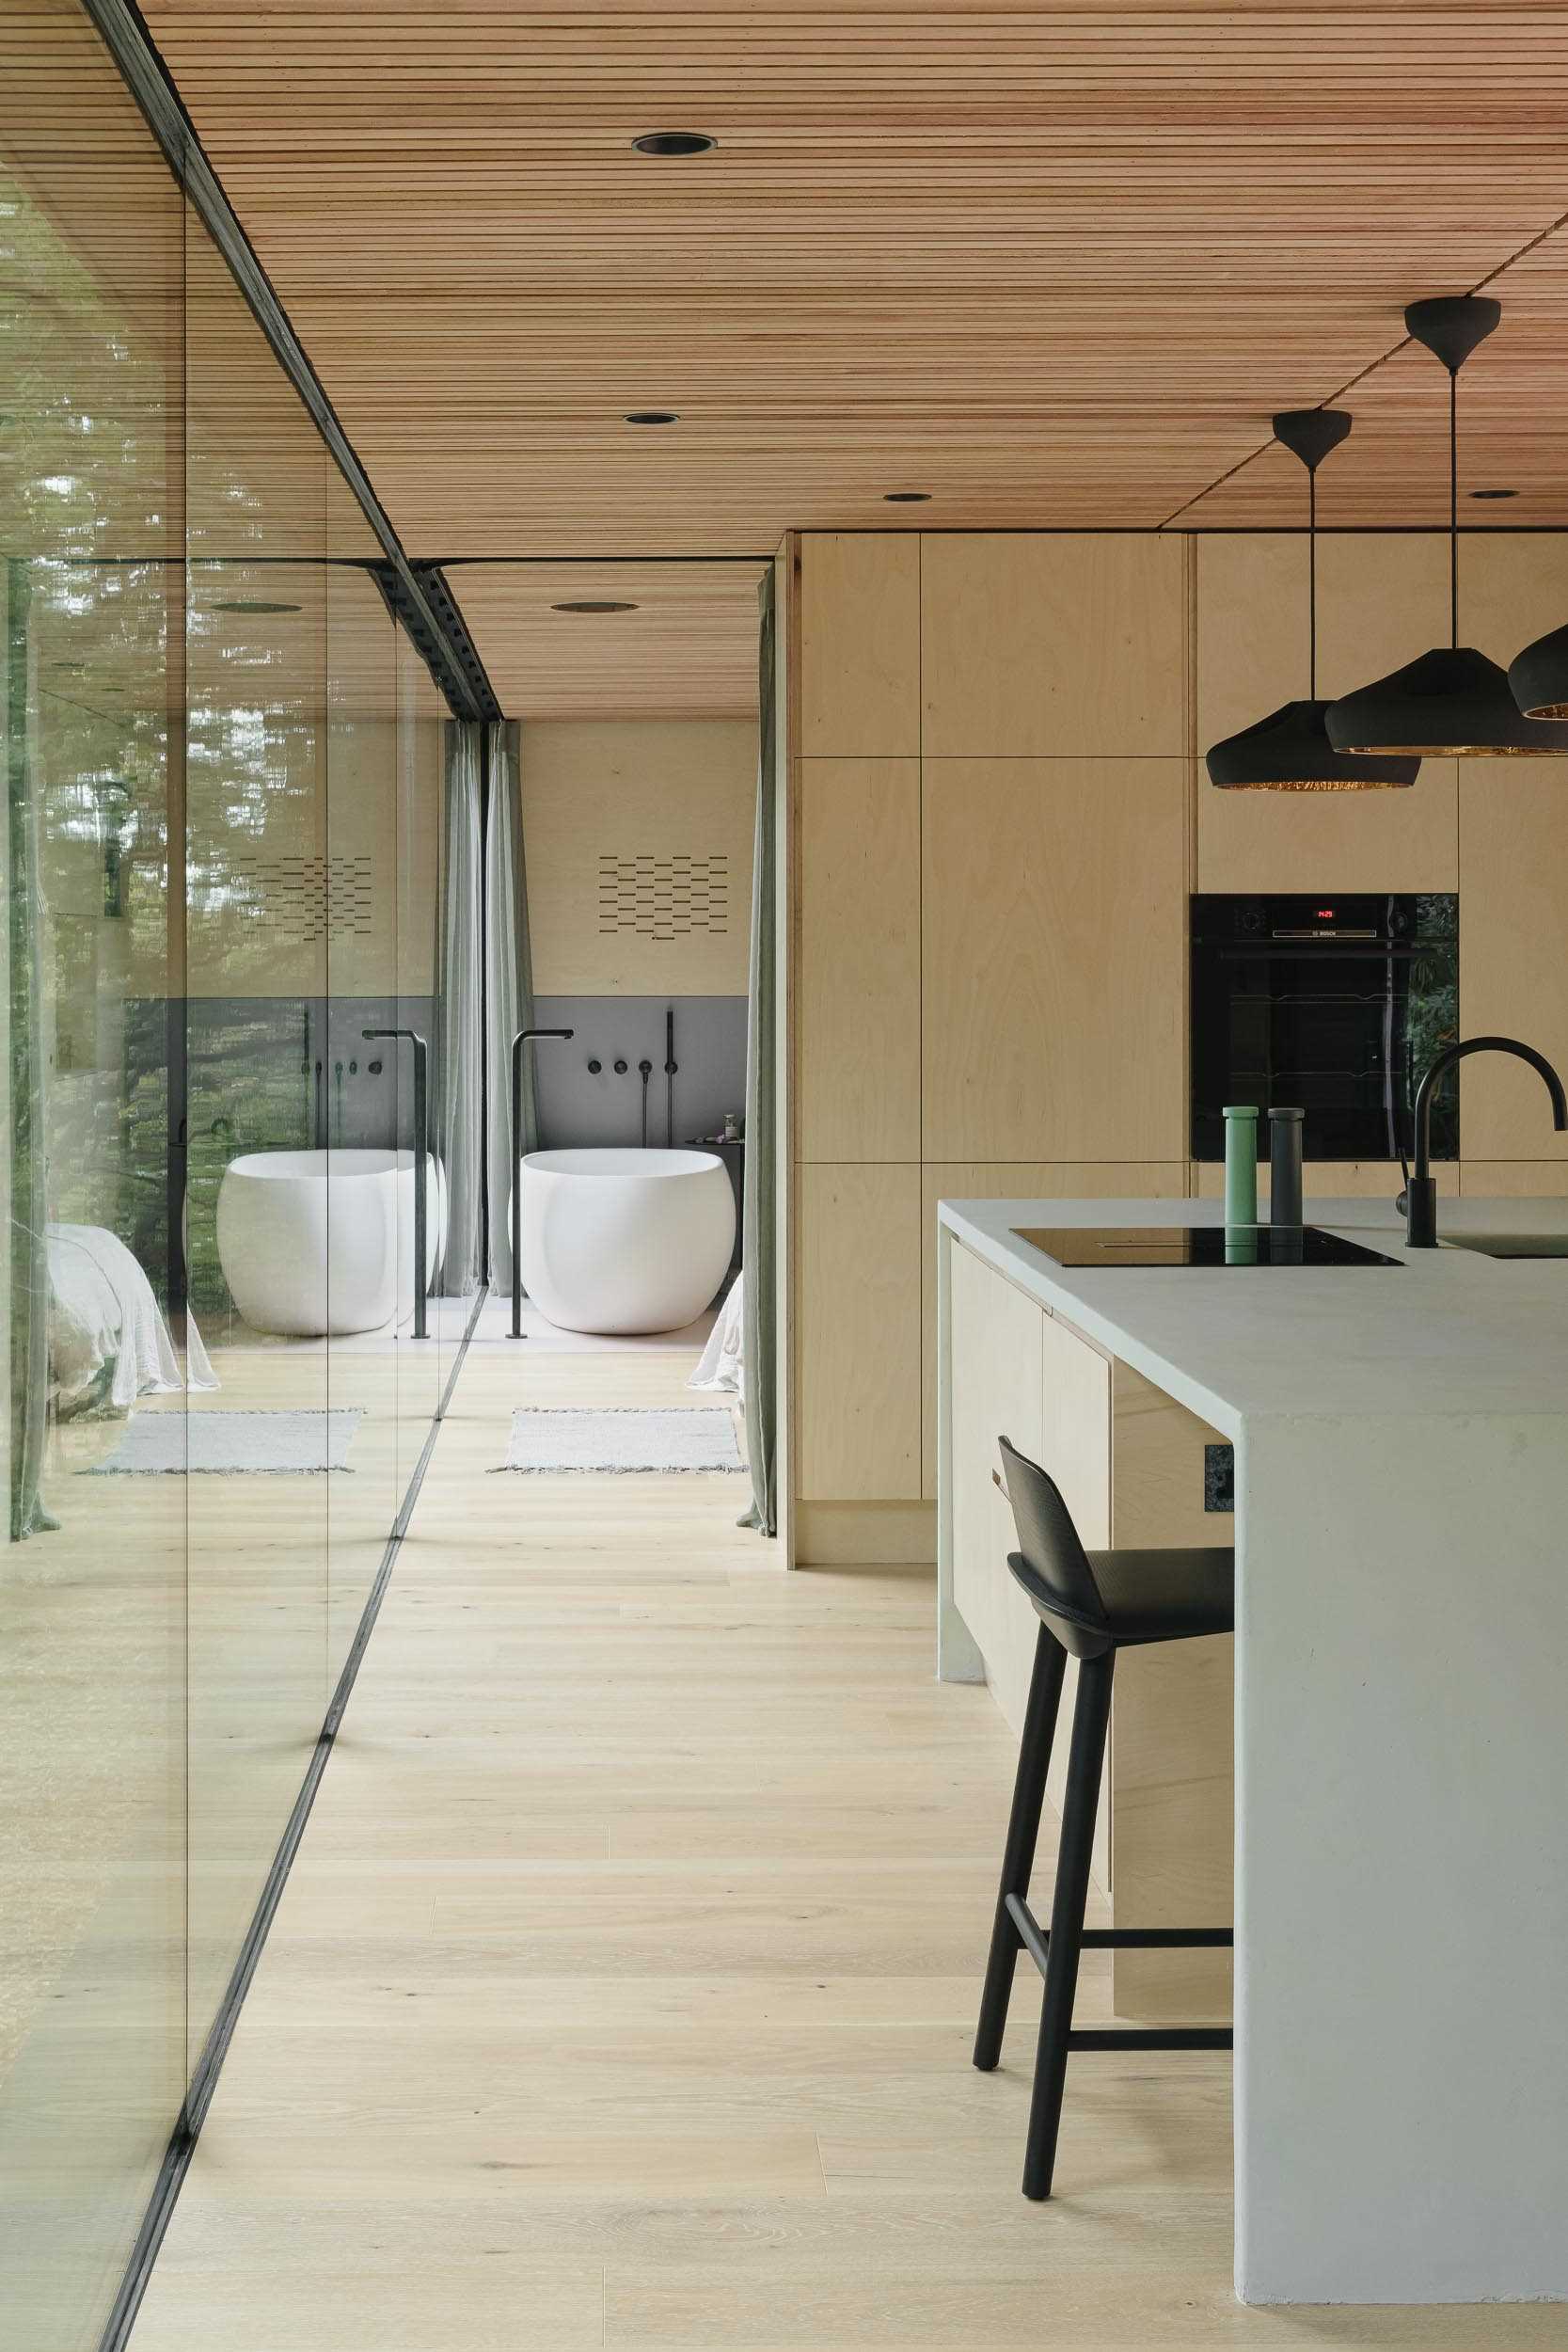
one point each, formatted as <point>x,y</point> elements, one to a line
<point>1241,1164</point>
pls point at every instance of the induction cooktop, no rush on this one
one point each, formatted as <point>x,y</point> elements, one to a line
<point>1196,1244</point>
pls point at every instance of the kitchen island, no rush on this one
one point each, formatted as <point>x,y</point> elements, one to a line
<point>1400,1439</point>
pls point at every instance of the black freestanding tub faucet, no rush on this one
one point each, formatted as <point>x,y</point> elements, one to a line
<point>1421,1225</point>
<point>422,1163</point>
<point>518,1044</point>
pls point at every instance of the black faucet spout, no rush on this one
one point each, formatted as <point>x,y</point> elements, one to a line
<point>1421,1211</point>
<point>524,1036</point>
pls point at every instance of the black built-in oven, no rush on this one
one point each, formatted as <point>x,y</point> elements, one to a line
<point>1335,1003</point>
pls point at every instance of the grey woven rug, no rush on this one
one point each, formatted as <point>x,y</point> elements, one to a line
<point>293,1443</point>
<point>572,1438</point>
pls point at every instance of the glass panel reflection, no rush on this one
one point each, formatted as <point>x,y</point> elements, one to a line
<point>93,1575</point>
<point>219,866</point>
<point>258,1093</point>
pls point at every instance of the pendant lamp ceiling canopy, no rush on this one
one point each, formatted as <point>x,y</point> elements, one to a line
<point>1290,750</point>
<point>1454,702</point>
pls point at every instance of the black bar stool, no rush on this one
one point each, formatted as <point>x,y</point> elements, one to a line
<point>1092,1605</point>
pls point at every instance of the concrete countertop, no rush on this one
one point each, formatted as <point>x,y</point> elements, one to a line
<point>1444,1331</point>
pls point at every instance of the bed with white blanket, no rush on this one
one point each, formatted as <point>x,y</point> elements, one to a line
<point>108,1341</point>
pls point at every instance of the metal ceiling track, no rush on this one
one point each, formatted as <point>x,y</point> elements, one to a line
<point>418,596</point>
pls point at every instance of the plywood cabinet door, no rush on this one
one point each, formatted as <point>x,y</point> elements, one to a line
<point>996,1374</point>
<point>1171,1726</point>
<point>1513,971</point>
<point>1057,645</point>
<point>857,988</point>
<point>1055,959</point>
<point>860,644</point>
<point>1019,1373</point>
<point>1032,1180</point>
<point>858,1333</point>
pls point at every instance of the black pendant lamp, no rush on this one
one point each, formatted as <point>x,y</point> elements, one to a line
<point>1290,750</point>
<point>1453,703</point>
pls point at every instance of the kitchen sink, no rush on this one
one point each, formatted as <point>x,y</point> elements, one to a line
<point>1509,1245</point>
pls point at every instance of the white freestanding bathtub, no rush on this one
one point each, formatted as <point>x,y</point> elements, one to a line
<point>624,1241</point>
<point>315,1243</point>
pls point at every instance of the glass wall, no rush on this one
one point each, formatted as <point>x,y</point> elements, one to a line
<point>92,1576</point>
<point>219,863</point>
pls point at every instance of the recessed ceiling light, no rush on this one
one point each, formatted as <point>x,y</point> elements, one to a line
<point>1493,494</point>
<point>252,604</point>
<point>669,143</point>
<point>592,604</point>
<point>905,498</point>
<point>652,416</point>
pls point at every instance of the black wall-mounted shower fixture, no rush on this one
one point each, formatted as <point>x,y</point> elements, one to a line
<point>515,1157</point>
<point>421,1162</point>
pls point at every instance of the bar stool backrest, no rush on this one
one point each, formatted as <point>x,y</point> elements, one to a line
<point>1050,1564</point>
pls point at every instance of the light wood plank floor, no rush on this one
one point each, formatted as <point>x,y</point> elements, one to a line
<point>622,1991</point>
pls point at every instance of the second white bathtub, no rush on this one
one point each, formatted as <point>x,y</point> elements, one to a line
<point>315,1243</point>
<point>624,1241</point>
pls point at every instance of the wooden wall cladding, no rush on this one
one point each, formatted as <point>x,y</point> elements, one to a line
<point>857,1006</point>
<point>858,1333</point>
<point>1513,971</point>
<point>1055,959</point>
<point>1518,1180</point>
<point>1381,602</point>
<point>860,644</point>
<point>638,838</point>
<point>1054,645</point>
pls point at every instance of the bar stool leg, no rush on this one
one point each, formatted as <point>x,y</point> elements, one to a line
<point>1018,1860</point>
<point>1091,1717</point>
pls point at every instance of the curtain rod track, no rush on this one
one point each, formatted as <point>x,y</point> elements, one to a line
<point>434,623</point>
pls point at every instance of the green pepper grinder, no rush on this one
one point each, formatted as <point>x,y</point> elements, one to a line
<point>1241,1164</point>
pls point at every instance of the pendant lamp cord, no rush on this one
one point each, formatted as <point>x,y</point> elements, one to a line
<point>1454,506</point>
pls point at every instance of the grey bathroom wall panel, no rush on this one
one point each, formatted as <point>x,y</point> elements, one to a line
<point>578,1108</point>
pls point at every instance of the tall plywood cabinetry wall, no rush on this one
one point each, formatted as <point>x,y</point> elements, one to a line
<point>998,818</point>
<point>992,828</point>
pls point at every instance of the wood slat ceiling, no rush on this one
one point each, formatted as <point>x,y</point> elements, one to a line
<point>1055,264</point>
<point>690,648</point>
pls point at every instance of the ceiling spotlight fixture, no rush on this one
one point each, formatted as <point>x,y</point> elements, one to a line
<point>592,604</point>
<point>905,498</point>
<point>1493,494</point>
<point>673,143</point>
<point>652,416</point>
<point>1290,750</point>
<point>251,604</point>
<point>1453,703</point>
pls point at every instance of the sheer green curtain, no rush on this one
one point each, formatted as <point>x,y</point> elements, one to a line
<point>486,997</point>
<point>759,1246</point>
<point>509,983</point>
<point>461,984</point>
<point>29,1272</point>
